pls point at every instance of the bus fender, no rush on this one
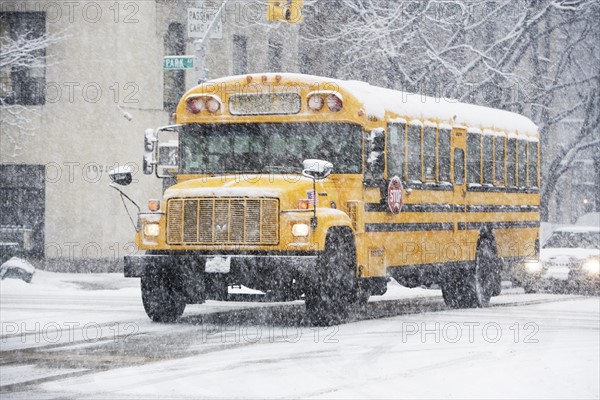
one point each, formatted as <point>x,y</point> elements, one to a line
<point>328,218</point>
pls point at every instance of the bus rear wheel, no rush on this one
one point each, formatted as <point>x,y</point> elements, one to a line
<point>329,294</point>
<point>473,285</point>
<point>162,297</point>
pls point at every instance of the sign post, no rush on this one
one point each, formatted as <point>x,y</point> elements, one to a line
<point>204,22</point>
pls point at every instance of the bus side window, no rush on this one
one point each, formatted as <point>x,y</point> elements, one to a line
<point>374,156</point>
<point>459,166</point>
<point>499,159</point>
<point>429,153</point>
<point>532,162</point>
<point>414,152</point>
<point>444,154</point>
<point>474,158</point>
<point>522,163</point>
<point>488,160</point>
<point>511,163</point>
<point>396,150</point>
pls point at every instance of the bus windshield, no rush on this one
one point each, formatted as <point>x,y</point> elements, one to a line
<point>269,147</point>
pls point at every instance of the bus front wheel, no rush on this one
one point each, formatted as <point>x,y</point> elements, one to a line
<point>330,289</point>
<point>162,297</point>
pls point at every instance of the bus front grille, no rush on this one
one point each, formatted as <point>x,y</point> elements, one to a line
<point>206,221</point>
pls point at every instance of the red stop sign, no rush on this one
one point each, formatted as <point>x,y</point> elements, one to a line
<point>394,195</point>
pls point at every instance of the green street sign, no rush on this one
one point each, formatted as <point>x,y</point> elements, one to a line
<point>179,62</point>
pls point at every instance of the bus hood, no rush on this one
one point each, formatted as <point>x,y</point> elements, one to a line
<point>287,188</point>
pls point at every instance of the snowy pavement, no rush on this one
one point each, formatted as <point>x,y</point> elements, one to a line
<point>87,336</point>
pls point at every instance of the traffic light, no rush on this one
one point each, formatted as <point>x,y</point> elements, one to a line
<point>285,10</point>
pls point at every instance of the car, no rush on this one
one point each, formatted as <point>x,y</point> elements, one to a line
<point>569,261</point>
<point>589,219</point>
<point>18,269</point>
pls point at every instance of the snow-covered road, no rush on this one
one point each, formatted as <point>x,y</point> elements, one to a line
<point>87,336</point>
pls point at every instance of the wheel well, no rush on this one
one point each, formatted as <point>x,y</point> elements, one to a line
<point>345,233</point>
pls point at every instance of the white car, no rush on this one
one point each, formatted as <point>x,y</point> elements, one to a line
<point>569,260</point>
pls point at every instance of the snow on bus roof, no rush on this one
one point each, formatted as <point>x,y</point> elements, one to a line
<point>377,101</point>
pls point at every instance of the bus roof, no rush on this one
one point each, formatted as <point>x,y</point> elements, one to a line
<point>378,101</point>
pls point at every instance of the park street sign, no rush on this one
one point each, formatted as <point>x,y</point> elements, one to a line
<point>178,62</point>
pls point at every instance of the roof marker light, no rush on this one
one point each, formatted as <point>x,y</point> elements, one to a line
<point>334,103</point>
<point>195,105</point>
<point>316,102</point>
<point>213,105</point>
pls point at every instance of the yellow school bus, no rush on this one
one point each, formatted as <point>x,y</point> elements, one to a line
<point>319,189</point>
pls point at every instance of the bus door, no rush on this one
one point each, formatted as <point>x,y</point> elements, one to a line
<point>458,171</point>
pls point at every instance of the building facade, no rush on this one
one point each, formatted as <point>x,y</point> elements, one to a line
<point>82,109</point>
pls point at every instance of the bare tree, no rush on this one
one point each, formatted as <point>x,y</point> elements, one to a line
<point>536,57</point>
<point>21,53</point>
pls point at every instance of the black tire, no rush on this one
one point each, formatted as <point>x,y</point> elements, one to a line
<point>473,285</point>
<point>162,296</point>
<point>330,290</point>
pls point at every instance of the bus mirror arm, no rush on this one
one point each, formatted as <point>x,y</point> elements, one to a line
<point>123,197</point>
<point>316,169</point>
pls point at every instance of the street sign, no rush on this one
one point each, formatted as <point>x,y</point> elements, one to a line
<point>199,20</point>
<point>179,62</point>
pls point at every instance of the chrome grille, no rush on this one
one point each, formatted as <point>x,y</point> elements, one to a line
<point>205,221</point>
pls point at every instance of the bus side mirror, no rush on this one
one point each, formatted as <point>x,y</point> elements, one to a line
<point>150,140</point>
<point>316,169</point>
<point>121,176</point>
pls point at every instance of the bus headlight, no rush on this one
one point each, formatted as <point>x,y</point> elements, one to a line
<point>151,230</point>
<point>300,230</point>
<point>533,267</point>
<point>592,266</point>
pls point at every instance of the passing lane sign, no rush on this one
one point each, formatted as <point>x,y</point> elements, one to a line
<point>178,62</point>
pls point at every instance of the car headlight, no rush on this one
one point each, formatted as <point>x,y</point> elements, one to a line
<point>151,229</point>
<point>592,266</point>
<point>300,230</point>
<point>533,267</point>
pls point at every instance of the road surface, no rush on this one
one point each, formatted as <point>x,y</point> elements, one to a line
<point>75,336</point>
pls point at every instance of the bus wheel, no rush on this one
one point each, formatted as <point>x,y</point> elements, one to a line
<point>476,283</point>
<point>483,277</point>
<point>329,294</point>
<point>163,300</point>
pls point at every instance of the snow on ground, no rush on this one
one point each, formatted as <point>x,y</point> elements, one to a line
<point>525,346</point>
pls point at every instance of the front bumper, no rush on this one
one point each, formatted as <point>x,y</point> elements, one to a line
<point>135,266</point>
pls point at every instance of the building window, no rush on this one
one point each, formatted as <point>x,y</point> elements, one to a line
<point>23,81</point>
<point>174,80</point>
<point>240,55</point>
<point>23,203</point>
<point>275,54</point>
